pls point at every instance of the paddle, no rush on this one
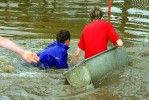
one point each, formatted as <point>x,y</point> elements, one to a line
<point>72,68</point>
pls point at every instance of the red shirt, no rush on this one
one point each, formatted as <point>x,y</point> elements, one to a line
<point>95,37</point>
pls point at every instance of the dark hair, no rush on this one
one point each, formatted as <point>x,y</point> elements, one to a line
<point>63,35</point>
<point>95,14</point>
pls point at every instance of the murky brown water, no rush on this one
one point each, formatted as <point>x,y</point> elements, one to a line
<point>33,24</point>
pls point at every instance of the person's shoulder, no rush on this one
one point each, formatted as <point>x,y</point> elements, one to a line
<point>107,23</point>
<point>52,44</point>
<point>103,21</point>
<point>88,25</point>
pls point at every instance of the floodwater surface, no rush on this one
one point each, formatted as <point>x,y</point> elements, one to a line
<point>33,24</point>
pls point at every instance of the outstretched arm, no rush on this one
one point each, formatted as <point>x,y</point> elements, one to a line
<point>76,56</point>
<point>26,55</point>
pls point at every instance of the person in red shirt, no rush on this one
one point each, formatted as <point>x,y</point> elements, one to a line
<point>95,36</point>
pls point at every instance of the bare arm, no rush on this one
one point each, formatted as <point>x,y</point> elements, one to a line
<point>76,56</point>
<point>119,42</point>
<point>26,55</point>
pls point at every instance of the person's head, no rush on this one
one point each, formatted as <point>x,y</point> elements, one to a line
<point>63,36</point>
<point>95,14</point>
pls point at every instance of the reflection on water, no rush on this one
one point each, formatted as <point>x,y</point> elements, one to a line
<point>41,19</point>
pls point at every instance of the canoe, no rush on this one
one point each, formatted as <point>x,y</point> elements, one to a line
<point>94,69</point>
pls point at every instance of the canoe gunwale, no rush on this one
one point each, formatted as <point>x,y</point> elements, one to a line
<point>75,66</point>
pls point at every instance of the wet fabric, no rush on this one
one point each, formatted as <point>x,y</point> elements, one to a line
<point>54,55</point>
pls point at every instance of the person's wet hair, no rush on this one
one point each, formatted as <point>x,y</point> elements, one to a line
<point>63,35</point>
<point>95,14</point>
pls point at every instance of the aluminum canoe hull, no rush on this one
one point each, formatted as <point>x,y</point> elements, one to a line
<point>94,69</point>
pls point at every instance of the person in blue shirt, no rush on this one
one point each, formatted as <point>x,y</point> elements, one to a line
<point>55,54</point>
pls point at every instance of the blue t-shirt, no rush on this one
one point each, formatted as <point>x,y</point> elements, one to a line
<point>54,55</point>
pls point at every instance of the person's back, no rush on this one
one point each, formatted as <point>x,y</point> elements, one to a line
<point>55,54</point>
<point>95,37</point>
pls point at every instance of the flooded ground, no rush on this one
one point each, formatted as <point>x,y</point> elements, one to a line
<point>33,24</point>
